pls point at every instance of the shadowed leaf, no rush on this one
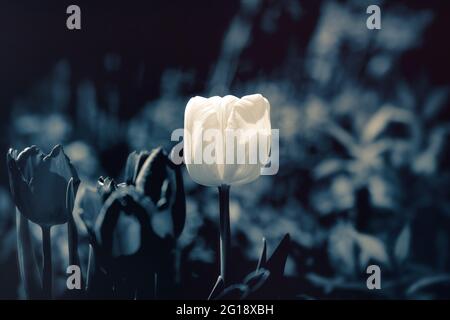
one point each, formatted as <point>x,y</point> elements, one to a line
<point>218,287</point>
<point>277,261</point>
<point>234,292</point>
<point>263,258</point>
<point>256,279</point>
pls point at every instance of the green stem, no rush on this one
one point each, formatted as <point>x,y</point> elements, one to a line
<point>47,262</point>
<point>225,234</point>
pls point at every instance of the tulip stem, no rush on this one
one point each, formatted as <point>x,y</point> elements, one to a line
<point>72,233</point>
<point>90,267</point>
<point>225,234</point>
<point>26,258</point>
<point>72,236</point>
<point>47,262</point>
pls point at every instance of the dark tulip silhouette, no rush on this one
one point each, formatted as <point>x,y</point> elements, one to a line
<point>151,174</point>
<point>39,184</point>
<point>43,188</point>
<point>130,230</point>
<point>88,204</point>
<point>128,248</point>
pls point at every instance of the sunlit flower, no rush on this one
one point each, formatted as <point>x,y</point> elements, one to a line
<point>230,130</point>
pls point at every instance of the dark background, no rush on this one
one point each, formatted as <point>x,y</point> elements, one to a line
<point>336,90</point>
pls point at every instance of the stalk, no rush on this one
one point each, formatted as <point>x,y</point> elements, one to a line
<point>90,267</point>
<point>47,262</point>
<point>225,234</point>
<point>73,243</point>
<point>72,233</point>
<point>27,262</point>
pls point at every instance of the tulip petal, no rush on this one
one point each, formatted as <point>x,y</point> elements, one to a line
<point>255,110</point>
<point>250,115</point>
<point>27,160</point>
<point>153,177</point>
<point>105,187</point>
<point>48,197</point>
<point>88,204</point>
<point>124,223</point>
<point>134,164</point>
<point>60,164</point>
<point>19,188</point>
<point>248,119</point>
<point>200,114</point>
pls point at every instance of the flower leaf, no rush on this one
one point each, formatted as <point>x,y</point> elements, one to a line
<point>234,292</point>
<point>263,258</point>
<point>218,287</point>
<point>277,261</point>
<point>257,279</point>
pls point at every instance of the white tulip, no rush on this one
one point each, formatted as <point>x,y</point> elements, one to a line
<point>226,139</point>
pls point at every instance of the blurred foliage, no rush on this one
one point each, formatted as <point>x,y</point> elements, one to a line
<point>364,142</point>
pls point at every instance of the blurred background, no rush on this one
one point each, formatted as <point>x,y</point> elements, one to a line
<point>363,117</point>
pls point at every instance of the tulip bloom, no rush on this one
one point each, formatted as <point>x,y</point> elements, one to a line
<point>222,139</point>
<point>43,187</point>
<point>155,175</point>
<point>39,184</point>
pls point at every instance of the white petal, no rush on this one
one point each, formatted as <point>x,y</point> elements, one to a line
<point>200,114</point>
<point>251,113</point>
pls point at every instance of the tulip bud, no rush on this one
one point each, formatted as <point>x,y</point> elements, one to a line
<point>153,174</point>
<point>134,165</point>
<point>226,139</point>
<point>88,204</point>
<point>39,183</point>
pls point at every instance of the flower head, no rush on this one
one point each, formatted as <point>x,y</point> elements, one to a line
<point>39,183</point>
<point>224,137</point>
